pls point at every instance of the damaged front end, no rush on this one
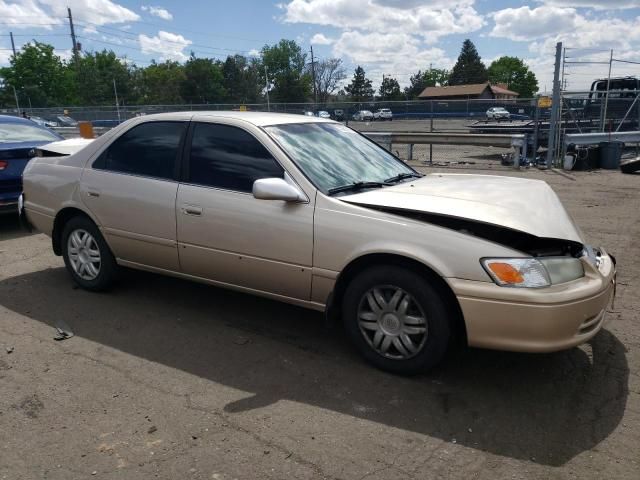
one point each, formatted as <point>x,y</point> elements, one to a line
<point>515,239</point>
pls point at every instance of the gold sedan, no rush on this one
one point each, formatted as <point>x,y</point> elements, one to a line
<point>309,212</point>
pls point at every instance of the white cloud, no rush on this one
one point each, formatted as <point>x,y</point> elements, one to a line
<point>525,23</point>
<point>254,52</point>
<point>89,29</point>
<point>320,39</point>
<point>15,15</point>
<point>428,19</point>
<point>5,55</point>
<point>170,46</point>
<point>596,4</point>
<point>387,36</point>
<point>392,54</point>
<point>160,12</point>
<point>99,12</point>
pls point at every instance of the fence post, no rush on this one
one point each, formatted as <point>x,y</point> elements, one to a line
<point>431,130</point>
<point>411,151</point>
<point>536,130</point>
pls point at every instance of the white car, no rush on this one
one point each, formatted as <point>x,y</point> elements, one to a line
<point>43,122</point>
<point>498,112</point>
<point>383,114</point>
<point>363,116</point>
<point>323,114</point>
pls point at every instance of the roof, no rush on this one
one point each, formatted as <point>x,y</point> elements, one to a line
<point>463,90</point>
<point>503,91</point>
<point>455,90</point>
<point>260,119</point>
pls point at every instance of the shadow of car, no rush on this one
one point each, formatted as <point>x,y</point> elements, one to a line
<point>545,409</point>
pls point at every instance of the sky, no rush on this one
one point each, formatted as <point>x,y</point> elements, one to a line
<point>386,37</point>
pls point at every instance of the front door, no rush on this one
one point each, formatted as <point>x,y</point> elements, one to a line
<point>131,189</point>
<point>227,235</point>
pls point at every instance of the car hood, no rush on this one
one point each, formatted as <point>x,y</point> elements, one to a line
<point>528,206</point>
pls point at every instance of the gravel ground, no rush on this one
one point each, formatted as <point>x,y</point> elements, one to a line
<point>169,379</point>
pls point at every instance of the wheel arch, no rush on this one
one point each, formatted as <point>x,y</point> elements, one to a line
<point>363,262</point>
<point>61,219</point>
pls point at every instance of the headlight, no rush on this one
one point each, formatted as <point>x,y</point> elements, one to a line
<point>517,272</point>
<point>532,272</point>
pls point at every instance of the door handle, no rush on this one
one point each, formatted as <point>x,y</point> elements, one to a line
<point>93,193</point>
<point>192,210</point>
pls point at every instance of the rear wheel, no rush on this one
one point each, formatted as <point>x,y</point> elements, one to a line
<point>87,256</point>
<point>397,319</point>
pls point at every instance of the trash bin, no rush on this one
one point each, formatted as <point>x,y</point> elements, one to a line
<point>610,153</point>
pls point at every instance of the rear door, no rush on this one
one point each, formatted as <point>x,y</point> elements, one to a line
<point>227,235</point>
<point>131,189</point>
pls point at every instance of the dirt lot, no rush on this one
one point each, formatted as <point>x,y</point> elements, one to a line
<point>168,379</point>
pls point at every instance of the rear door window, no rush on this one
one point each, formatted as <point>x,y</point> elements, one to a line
<point>150,149</point>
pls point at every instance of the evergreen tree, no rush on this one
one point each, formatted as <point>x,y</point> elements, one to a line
<point>360,89</point>
<point>390,89</point>
<point>469,67</point>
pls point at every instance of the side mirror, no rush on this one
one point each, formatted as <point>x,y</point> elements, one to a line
<point>276,189</point>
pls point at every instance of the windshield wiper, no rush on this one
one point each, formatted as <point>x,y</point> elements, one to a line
<point>402,176</point>
<point>357,186</point>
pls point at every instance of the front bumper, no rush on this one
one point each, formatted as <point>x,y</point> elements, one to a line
<point>537,320</point>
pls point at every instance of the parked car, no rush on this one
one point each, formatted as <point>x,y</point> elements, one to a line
<point>323,114</point>
<point>66,121</point>
<point>383,114</point>
<point>310,212</point>
<point>18,138</point>
<point>43,122</point>
<point>363,116</point>
<point>338,115</point>
<point>309,113</point>
<point>497,113</point>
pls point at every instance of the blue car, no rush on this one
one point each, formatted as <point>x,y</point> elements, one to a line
<point>18,138</point>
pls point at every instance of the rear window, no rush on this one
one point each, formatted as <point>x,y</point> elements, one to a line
<point>20,132</point>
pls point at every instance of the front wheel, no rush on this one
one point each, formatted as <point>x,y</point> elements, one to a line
<point>87,256</point>
<point>397,319</point>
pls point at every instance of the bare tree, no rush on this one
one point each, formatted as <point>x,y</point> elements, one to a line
<point>329,73</point>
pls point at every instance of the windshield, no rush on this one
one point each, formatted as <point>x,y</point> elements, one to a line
<point>19,132</point>
<point>332,155</point>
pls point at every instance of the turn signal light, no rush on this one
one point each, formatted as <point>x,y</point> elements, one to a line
<point>505,272</point>
<point>3,164</point>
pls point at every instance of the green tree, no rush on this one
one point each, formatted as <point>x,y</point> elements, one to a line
<point>513,72</point>
<point>161,83</point>
<point>286,66</point>
<point>203,81</point>
<point>241,79</point>
<point>93,76</point>
<point>469,67</point>
<point>38,75</point>
<point>360,89</point>
<point>428,78</point>
<point>390,89</point>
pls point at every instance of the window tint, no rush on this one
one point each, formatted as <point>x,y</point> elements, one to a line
<point>150,149</point>
<point>230,158</point>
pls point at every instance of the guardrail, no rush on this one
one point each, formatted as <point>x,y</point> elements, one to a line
<point>518,142</point>
<point>594,138</point>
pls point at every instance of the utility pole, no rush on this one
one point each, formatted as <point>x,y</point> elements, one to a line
<point>73,35</point>
<point>13,45</point>
<point>266,83</point>
<point>313,74</point>
<point>15,94</point>
<point>115,92</point>
<point>553,124</point>
<point>382,87</point>
<point>606,98</point>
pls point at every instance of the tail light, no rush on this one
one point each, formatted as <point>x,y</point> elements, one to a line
<point>3,164</point>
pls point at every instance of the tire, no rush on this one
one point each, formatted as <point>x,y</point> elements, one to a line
<point>81,240</point>
<point>425,320</point>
